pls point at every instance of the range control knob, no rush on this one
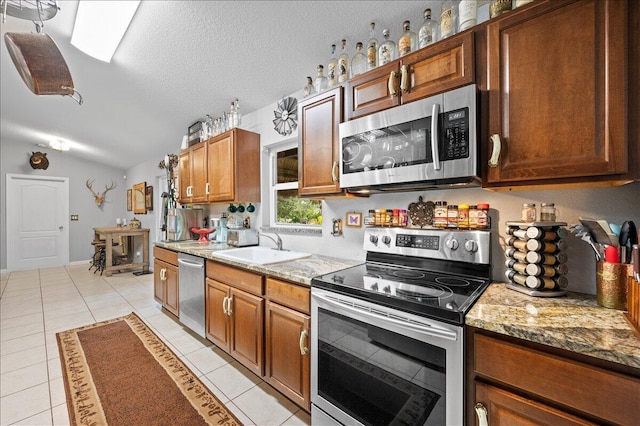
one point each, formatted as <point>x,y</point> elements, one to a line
<point>452,244</point>
<point>374,287</point>
<point>471,246</point>
<point>386,240</point>
<point>387,289</point>
<point>373,239</point>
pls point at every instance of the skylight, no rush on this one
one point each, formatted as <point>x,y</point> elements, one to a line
<point>100,26</point>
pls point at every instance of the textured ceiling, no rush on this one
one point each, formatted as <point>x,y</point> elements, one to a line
<point>180,60</point>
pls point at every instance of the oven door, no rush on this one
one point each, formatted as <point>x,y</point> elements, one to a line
<point>377,366</point>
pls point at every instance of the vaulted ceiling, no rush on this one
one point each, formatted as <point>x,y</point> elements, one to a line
<point>178,61</point>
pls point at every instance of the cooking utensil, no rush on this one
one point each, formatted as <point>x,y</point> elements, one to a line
<point>628,237</point>
<point>612,255</point>
<point>600,231</point>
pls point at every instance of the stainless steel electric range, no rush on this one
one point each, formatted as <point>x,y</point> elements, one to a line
<point>387,335</point>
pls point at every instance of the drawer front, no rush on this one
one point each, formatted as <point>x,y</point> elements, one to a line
<point>592,390</point>
<point>165,255</point>
<point>288,294</point>
<point>244,280</point>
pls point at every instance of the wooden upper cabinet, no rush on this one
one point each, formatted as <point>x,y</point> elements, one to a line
<point>233,166</point>
<point>223,168</point>
<point>443,66</point>
<point>184,176</point>
<point>319,144</point>
<point>198,173</point>
<point>557,84</point>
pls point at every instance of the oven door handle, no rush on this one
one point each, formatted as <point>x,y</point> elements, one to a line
<point>420,328</point>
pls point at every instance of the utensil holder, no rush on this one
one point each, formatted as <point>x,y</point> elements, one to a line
<point>611,285</point>
<point>633,304</point>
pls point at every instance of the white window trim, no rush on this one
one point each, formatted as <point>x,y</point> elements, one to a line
<point>275,187</point>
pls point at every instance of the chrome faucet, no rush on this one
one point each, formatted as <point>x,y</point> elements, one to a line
<point>276,240</point>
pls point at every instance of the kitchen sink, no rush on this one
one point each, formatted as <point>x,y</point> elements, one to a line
<point>260,255</point>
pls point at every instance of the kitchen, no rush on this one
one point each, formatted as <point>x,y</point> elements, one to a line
<point>572,203</point>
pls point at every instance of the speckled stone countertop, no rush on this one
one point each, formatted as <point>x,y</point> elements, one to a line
<point>575,323</point>
<point>299,271</point>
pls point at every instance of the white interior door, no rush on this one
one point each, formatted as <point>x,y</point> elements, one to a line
<point>37,222</point>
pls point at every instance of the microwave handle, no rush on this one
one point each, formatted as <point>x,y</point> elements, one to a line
<point>435,152</point>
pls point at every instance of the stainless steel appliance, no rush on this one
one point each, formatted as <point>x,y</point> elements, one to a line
<point>242,237</point>
<point>180,221</point>
<point>430,143</point>
<point>191,292</point>
<point>387,336</point>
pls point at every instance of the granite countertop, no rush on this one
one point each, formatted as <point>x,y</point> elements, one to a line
<point>299,271</point>
<point>575,323</point>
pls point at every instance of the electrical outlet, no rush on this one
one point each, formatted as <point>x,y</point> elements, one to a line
<point>74,217</point>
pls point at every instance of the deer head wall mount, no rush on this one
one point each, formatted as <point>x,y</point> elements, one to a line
<point>100,197</point>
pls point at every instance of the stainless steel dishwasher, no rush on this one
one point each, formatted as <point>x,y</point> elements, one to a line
<point>191,292</point>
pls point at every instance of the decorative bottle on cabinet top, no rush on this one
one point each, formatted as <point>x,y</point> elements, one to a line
<point>408,41</point>
<point>320,83</point>
<point>448,15</point>
<point>467,14</point>
<point>372,48</point>
<point>343,64</point>
<point>359,61</point>
<point>332,68</point>
<point>387,51</point>
<point>428,30</point>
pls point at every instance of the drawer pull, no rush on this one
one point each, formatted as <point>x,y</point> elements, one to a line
<point>404,71</point>
<point>392,83</point>
<point>303,349</point>
<point>495,153</point>
<point>481,412</point>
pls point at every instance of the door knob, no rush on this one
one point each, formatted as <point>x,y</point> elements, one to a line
<point>61,227</point>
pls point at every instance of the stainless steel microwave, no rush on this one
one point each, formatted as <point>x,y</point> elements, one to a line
<point>430,143</point>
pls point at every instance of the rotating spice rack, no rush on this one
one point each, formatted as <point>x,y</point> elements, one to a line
<point>536,259</point>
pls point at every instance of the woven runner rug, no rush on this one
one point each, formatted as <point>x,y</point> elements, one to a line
<point>118,372</point>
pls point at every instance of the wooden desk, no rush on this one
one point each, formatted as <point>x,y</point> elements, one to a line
<point>109,234</point>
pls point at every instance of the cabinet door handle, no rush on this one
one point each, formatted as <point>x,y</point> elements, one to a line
<point>334,171</point>
<point>224,305</point>
<point>435,137</point>
<point>163,274</point>
<point>303,349</point>
<point>206,189</point>
<point>229,300</point>
<point>404,76</point>
<point>494,160</point>
<point>392,83</point>
<point>481,412</point>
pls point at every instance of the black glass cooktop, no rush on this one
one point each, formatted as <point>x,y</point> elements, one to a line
<point>439,295</point>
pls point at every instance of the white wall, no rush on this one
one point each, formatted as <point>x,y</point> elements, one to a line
<point>14,158</point>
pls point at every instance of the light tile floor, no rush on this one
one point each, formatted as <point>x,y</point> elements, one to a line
<point>36,304</point>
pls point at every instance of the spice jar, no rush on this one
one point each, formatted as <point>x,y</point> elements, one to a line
<point>473,217</point>
<point>547,212</point>
<point>452,216</point>
<point>528,212</point>
<point>483,216</point>
<point>440,214</point>
<point>463,216</point>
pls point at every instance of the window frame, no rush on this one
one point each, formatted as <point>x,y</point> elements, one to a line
<point>274,187</point>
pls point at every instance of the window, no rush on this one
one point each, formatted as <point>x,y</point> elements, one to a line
<point>287,208</point>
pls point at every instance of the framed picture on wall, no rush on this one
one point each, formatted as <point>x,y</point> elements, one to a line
<point>129,208</point>
<point>354,219</point>
<point>148,200</point>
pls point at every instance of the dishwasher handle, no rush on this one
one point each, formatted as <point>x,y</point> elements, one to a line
<point>184,262</point>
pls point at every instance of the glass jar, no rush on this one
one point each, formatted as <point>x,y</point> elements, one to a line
<point>440,214</point>
<point>483,216</point>
<point>529,212</point>
<point>463,216</point>
<point>547,212</point>
<point>473,217</point>
<point>497,7</point>
<point>452,216</point>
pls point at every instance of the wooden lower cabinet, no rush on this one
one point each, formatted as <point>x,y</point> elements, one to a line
<point>503,408</point>
<point>165,279</point>
<point>523,383</point>
<point>235,316</point>
<point>287,341</point>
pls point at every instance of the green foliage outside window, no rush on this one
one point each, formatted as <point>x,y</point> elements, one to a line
<point>292,209</point>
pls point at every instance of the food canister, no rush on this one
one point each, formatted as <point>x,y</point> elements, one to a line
<point>547,212</point>
<point>529,212</point>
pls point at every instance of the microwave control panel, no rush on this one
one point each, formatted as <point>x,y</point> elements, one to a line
<point>455,134</point>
